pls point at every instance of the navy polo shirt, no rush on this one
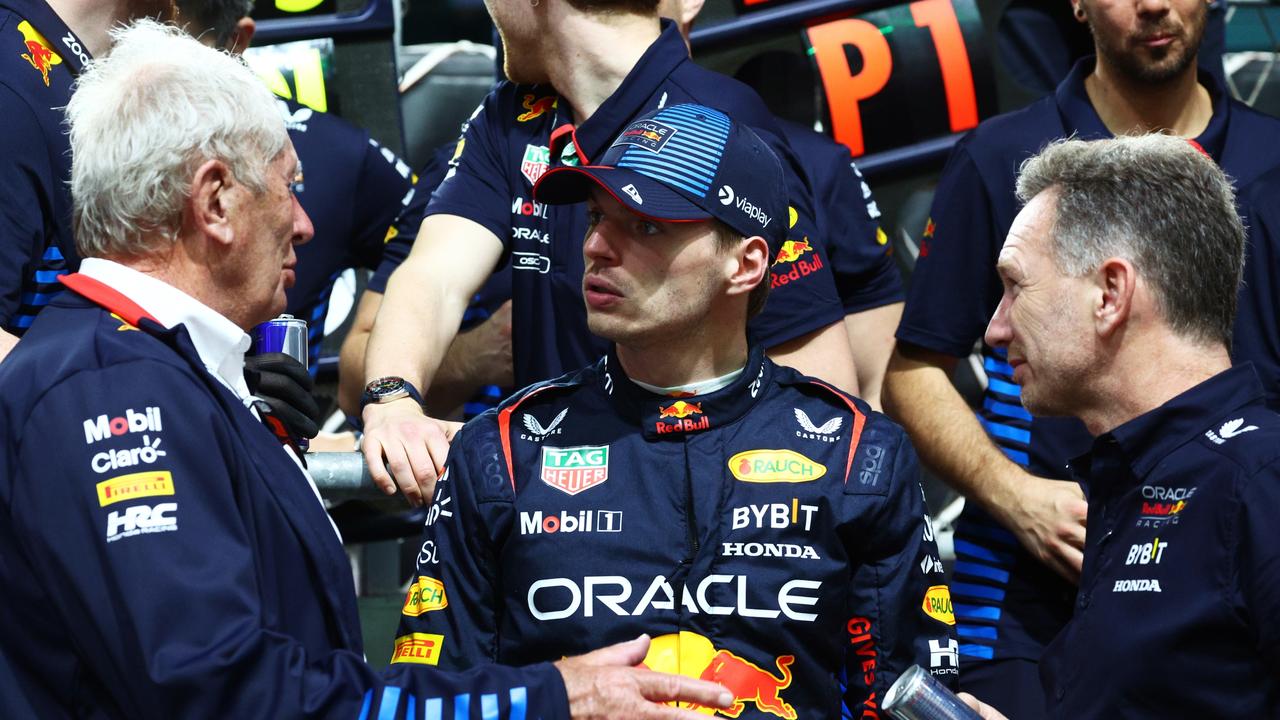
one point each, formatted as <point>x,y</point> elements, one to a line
<point>521,131</point>
<point>1008,604</point>
<point>860,253</point>
<point>39,60</point>
<point>352,189</point>
<point>1257,330</point>
<point>1182,559</point>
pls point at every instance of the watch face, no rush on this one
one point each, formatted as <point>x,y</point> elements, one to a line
<point>385,386</point>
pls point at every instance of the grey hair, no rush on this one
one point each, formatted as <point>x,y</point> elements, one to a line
<point>215,17</point>
<point>1157,201</point>
<point>144,118</point>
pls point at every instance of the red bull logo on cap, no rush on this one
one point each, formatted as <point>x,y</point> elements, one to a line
<point>39,52</point>
<point>693,655</point>
<point>535,108</point>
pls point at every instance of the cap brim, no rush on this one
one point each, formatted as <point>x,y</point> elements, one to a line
<point>647,197</point>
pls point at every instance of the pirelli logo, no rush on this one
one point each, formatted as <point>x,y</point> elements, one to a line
<point>419,648</point>
<point>134,486</point>
<point>425,595</point>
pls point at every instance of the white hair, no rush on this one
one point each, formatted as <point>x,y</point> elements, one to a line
<point>144,118</point>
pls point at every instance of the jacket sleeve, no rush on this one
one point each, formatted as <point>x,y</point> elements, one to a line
<point>26,195</point>
<point>123,490</point>
<point>453,598</point>
<point>900,608</point>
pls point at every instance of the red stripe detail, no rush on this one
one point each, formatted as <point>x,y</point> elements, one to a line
<point>859,420</point>
<point>504,431</point>
<point>107,297</point>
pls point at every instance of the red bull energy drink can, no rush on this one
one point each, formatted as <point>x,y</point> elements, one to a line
<point>917,696</point>
<point>285,334</point>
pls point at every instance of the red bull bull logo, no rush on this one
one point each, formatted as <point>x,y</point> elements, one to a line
<point>679,413</point>
<point>792,250</point>
<point>39,53</point>
<point>535,108</point>
<point>693,655</point>
<point>793,254</point>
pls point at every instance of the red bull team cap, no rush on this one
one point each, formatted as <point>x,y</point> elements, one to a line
<point>684,163</point>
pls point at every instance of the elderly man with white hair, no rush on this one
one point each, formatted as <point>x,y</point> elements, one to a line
<point>163,555</point>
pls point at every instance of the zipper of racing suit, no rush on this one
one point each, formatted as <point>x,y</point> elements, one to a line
<point>691,525</point>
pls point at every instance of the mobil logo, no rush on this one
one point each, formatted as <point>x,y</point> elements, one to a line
<point>132,421</point>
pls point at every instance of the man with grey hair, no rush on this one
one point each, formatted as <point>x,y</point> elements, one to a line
<point>1120,277</point>
<point>134,462</point>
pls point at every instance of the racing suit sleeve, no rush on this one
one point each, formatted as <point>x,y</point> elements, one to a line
<point>475,185</point>
<point>802,289</point>
<point>26,196</point>
<point>954,289</point>
<point>454,596</point>
<point>899,605</point>
<point>384,191</point>
<point>174,625</point>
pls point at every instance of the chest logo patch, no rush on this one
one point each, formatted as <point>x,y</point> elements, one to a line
<point>825,432</point>
<point>537,433</point>
<point>536,162</point>
<point>535,108</point>
<point>775,466</point>
<point>937,604</point>
<point>1229,429</point>
<point>39,53</point>
<point>574,469</point>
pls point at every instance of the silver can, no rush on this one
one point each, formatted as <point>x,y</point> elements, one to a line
<point>285,334</point>
<point>917,696</point>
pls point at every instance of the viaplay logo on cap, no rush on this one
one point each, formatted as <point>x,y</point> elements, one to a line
<point>729,197</point>
<point>648,134</point>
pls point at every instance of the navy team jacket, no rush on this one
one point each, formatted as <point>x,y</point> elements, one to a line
<point>161,556</point>
<point>1176,615</point>
<point>770,536</point>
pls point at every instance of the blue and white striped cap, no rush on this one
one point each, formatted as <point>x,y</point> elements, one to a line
<point>684,163</point>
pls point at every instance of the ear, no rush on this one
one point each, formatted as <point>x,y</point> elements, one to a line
<point>1117,281</point>
<point>211,203</point>
<point>1077,9</point>
<point>689,12</point>
<point>242,35</point>
<point>749,265</point>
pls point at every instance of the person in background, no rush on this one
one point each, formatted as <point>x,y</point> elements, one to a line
<point>44,44</point>
<point>229,591</point>
<point>579,70</point>
<point>1120,280</point>
<point>1019,542</point>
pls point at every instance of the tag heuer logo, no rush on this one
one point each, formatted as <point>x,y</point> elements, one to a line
<point>572,470</point>
<point>537,160</point>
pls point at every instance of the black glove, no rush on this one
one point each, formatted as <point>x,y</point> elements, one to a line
<point>285,385</point>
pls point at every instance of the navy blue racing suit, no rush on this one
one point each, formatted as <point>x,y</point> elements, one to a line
<point>770,535</point>
<point>161,556</point>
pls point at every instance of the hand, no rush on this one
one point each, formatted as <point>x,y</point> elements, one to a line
<point>413,445</point>
<point>605,684</point>
<point>1048,516</point>
<point>489,347</point>
<point>285,385</point>
<point>984,710</point>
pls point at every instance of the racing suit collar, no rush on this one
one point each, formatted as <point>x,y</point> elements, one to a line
<point>1078,112</point>
<point>1143,442</point>
<point>632,98</point>
<point>669,417</point>
<point>46,21</point>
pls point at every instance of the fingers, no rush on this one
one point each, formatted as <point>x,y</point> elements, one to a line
<point>283,364</point>
<point>661,687</point>
<point>297,423</point>
<point>372,450</point>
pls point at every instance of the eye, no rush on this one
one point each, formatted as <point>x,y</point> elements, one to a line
<point>296,185</point>
<point>593,217</point>
<point>647,228</point>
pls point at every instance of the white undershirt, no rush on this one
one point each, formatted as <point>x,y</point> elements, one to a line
<point>219,343</point>
<point>701,387</point>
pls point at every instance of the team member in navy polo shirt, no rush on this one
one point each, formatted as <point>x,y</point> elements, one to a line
<point>226,590</point>
<point>43,46</point>
<point>1120,278</point>
<point>589,71</point>
<point>1022,530</point>
<point>765,527</point>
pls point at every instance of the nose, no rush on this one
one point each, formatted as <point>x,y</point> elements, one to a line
<point>598,248</point>
<point>999,331</point>
<point>302,228</point>
<point>1153,7</point>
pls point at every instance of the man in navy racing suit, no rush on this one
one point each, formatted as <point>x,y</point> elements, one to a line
<point>134,461</point>
<point>766,528</point>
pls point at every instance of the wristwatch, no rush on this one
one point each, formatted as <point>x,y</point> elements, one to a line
<point>386,389</point>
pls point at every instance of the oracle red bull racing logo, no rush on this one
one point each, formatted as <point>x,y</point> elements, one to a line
<point>39,53</point>
<point>693,655</point>
<point>793,253</point>
<point>535,108</point>
<point>680,414</point>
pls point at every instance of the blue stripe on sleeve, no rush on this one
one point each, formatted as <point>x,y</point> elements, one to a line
<point>977,612</point>
<point>519,701</point>
<point>433,709</point>
<point>977,631</point>
<point>992,365</point>
<point>978,651</point>
<point>966,548</point>
<point>1017,456</point>
<point>489,707</point>
<point>48,276</point>
<point>461,707</point>
<point>1005,432</point>
<point>983,571</point>
<point>1006,410</point>
<point>368,701</point>
<point>981,591</point>
<point>1004,388</point>
<point>390,703</point>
